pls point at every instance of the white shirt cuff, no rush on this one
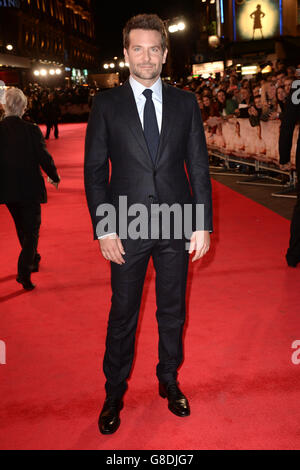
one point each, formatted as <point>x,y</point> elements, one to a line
<point>106,235</point>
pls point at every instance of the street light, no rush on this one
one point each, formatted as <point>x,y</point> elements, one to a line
<point>9,47</point>
<point>43,72</point>
<point>174,28</point>
<point>112,65</point>
<point>105,66</point>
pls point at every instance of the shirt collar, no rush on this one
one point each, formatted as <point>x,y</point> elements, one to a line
<point>138,88</point>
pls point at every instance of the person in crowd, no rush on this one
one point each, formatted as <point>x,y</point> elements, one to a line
<point>280,76</point>
<point>91,97</point>
<point>51,113</point>
<point>270,105</point>
<point>199,99</point>
<point>291,71</point>
<point>256,90</point>
<point>246,99</point>
<point>255,111</point>
<point>233,83</point>
<point>210,110</point>
<point>22,188</point>
<point>291,116</point>
<point>288,84</point>
<point>245,83</point>
<point>281,101</point>
<point>226,104</point>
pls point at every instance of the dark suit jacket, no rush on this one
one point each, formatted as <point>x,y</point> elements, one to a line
<point>22,153</point>
<point>115,132</point>
<point>290,117</point>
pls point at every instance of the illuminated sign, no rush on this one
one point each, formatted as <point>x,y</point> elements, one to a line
<point>10,3</point>
<point>207,68</point>
<point>257,19</point>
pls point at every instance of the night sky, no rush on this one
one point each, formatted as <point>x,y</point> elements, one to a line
<point>110,17</point>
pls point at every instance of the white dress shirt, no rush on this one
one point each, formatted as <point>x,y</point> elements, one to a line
<point>140,101</point>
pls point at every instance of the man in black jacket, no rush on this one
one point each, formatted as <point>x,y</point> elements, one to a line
<point>52,113</point>
<point>22,187</point>
<point>290,117</point>
<point>149,131</point>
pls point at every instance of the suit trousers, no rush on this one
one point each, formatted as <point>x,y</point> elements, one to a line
<point>27,218</point>
<point>127,280</point>
<point>293,252</point>
<point>49,127</point>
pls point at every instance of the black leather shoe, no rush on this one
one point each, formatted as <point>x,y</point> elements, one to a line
<point>26,283</point>
<point>178,403</point>
<point>109,419</point>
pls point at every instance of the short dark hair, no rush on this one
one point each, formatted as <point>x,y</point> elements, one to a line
<point>147,22</point>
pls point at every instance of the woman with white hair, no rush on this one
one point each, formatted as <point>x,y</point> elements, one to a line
<point>22,188</point>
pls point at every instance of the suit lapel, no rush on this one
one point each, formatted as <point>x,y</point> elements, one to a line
<point>130,113</point>
<point>132,119</point>
<point>168,115</point>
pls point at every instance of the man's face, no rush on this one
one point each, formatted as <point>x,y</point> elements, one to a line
<point>287,86</point>
<point>145,55</point>
<point>244,93</point>
<point>256,91</point>
<point>280,78</point>
<point>257,102</point>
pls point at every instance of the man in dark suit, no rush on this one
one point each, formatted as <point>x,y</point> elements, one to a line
<point>22,187</point>
<point>52,113</point>
<point>290,117</point>
<point>149,131</point>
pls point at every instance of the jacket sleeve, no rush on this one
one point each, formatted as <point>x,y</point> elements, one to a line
<point>44,158</point>
<point>289,119</point>
<point>96,166</point>
<point>198,168</point>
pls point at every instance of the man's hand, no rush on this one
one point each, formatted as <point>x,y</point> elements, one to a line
<point>52,182</point>
<point>273,115</point>
<point>200,242</point>
<point>253,111</point>
<point>112,248</point>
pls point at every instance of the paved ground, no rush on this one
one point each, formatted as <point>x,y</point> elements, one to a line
<point>261,194</point>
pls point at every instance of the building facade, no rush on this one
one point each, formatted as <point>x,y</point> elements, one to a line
<point>46,35</point>
<point>247,31</point>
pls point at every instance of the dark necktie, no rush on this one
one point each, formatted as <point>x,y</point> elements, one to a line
<point>151,130</point>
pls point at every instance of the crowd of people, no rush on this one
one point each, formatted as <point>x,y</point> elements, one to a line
<point>261,98</point>
<point>44,103</point>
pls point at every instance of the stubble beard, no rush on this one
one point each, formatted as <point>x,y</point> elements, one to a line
<point>148,74</point>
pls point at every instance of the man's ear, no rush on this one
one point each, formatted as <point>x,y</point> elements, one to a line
<point>165,56</point>
<point>125,54</point>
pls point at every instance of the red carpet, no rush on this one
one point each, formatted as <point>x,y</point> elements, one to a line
<point>243,316</point>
